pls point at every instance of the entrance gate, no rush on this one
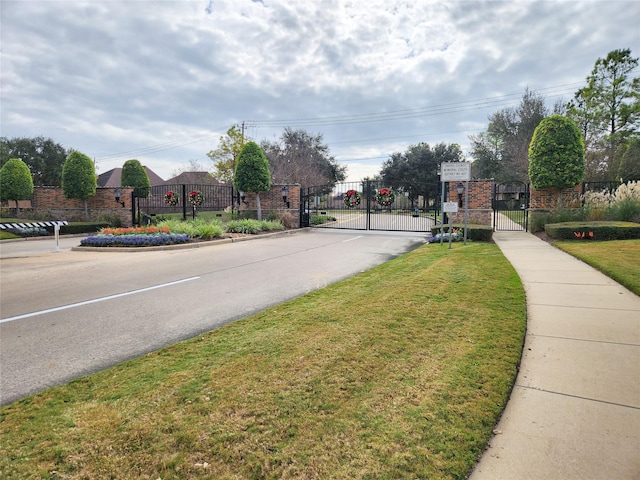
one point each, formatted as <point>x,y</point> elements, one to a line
<point>510,206</point>
<point>365,209</point>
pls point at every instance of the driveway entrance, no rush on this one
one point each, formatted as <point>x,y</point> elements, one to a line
<point>369,205</point>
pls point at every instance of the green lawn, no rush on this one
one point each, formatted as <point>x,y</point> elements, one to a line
<point>399,372</point>
<point>618,259</point>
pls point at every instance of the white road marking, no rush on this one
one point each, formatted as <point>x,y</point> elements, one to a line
<point>354,238</point>
<point>95,300</point>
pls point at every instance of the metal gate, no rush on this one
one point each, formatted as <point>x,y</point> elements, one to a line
<point>369,205</point>
<point>511,206</point>
<point>217,198</point>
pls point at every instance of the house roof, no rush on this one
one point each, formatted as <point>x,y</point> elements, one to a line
<point>113,176</point>
<point>193,178</point>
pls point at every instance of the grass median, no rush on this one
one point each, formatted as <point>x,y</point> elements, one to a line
<point>399,372</point>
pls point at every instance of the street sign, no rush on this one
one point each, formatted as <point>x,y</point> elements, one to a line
<point>455,171</point>
<point>450,207</point>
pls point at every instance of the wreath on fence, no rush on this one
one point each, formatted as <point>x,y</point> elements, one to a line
<point>385,197</point>
<point>170,198</point>
<point>196,198</point>
<point>352,199</point>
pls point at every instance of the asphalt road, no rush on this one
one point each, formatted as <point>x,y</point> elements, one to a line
<point>64,314</point>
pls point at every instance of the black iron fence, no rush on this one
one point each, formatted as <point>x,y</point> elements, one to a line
<point>159,201</point>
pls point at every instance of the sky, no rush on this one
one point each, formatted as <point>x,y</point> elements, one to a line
<point>162,81</point>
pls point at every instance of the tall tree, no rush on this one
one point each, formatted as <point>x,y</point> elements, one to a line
<point>629,163</point>
<point>225,156</point>
<point>501,151</point>
<point>415,171</point>
<point>556,154</point>
<point>43,156</point>
<point>301,157</point>
<point>607,111</point>
<point>79,178</point>
<point>134,175</point>
<point>15,181</point>
<point>252,172</point>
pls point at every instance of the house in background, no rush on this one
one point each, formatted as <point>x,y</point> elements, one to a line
<point>112,178</point>
<point>193,178</point>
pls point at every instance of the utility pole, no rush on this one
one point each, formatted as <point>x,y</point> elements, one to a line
<point>243,132</point>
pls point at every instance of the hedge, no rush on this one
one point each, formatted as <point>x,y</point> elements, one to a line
<point>593,230</point>
<point>79,227</point>
<point>478,233</point>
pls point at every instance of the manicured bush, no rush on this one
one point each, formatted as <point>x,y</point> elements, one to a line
<point>478,233</point>
<point>16,182</point>
<point>79,227</point>
<point>593,230</point>
<point>556,154</point>
<point>134,175</point>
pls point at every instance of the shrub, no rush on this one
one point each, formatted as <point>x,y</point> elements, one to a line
<point>111,219</point>
<point>594,230</point>
<point>134,175</point>
<point>622,205</point>
<point>28,231</point>
<point>320,219</point>
<point>243,226</point>
<point>16,182</point>
<point>556,154</point>
<point>479,233</point>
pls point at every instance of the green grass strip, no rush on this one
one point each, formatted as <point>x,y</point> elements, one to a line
<point>618,259</point>
<point>399,372</point>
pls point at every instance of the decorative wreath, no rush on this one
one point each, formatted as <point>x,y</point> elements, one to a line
<point>196,198</point>
<point>170,198</point>
<point>352,198</point>
<point>385,197</point>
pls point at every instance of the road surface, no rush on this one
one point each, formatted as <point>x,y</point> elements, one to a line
<point>68,313</point>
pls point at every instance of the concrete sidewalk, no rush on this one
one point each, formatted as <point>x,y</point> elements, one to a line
<point>574,412</point>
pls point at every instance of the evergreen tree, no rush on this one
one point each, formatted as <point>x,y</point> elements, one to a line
<point>16,182</point>
<point>252,172</point>
<point>134,175</point>
<point>79,178</point>
<point>556,154</point>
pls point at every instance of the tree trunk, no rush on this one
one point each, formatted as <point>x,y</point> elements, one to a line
<point>86,209</point>
<point>17,209</point>
<point>258,206</point>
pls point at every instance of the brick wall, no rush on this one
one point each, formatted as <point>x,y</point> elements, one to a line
<point>271,203</point>
<point>480,202</point>
<point>552,198</point>
<point>52,202</point>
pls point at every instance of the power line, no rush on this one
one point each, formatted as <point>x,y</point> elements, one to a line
<point>371,117</point>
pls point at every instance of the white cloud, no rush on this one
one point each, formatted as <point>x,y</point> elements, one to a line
<point>162,80</point>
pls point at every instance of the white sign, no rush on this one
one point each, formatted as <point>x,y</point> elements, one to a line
<point>450,207</point>
<point>455,171</point>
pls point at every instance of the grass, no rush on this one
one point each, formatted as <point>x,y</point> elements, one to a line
<point>618,259</point>
<point>399,372</point>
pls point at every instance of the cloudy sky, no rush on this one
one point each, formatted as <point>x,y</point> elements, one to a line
<point>161,81</point>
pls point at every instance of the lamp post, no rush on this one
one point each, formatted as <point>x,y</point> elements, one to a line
<point>117,193</point>
<point>460,190</point>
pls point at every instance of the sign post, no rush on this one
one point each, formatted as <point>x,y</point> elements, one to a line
<point>456,172</point>
<point>450,207</point>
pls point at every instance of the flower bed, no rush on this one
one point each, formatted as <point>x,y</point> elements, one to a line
<point>135,240</point>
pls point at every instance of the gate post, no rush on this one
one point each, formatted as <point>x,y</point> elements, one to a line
<point>368,210</point>
<point>184,202</point>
